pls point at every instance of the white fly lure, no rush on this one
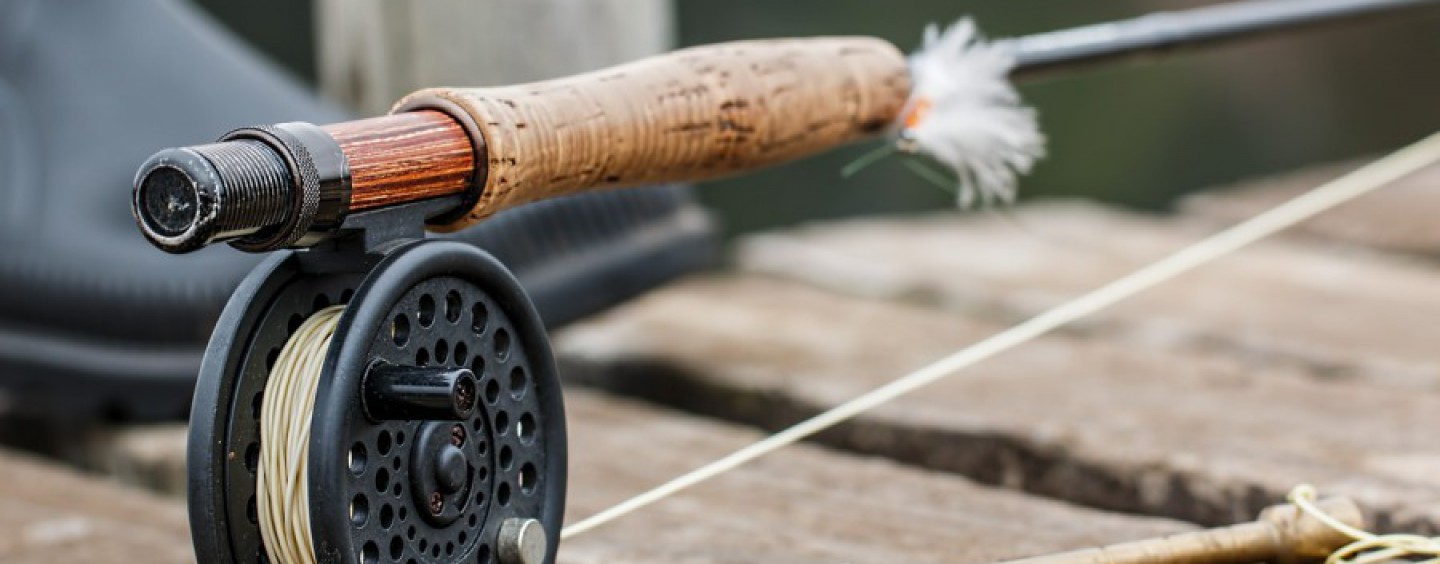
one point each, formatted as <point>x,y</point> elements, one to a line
<point>964,113</point>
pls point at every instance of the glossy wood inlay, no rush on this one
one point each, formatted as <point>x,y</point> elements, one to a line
<point>404,157</point>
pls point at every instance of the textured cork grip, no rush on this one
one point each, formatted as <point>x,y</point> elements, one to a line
<point>692,114</point>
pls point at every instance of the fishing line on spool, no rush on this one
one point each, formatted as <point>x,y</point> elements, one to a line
<point>281,483</point>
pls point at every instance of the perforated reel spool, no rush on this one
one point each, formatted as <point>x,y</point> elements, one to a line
<point>385,485</point>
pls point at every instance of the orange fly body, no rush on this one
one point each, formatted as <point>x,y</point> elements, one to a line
<point>917,113</point>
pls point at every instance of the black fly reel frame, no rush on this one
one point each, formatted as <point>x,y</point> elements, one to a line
<point>437,432</point>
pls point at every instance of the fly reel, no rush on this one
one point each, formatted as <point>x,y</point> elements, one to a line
<point>436,432</point>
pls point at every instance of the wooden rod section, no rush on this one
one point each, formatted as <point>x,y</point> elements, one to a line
<point>404,157</point>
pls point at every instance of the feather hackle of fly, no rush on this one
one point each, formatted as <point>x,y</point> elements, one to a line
<point>964,113</point>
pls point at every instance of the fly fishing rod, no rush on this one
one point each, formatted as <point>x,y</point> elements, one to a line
<point>370,395</point>
<point>694,114</point>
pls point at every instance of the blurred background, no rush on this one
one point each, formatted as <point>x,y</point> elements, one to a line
<point>1138,135</point>
<point>101,335</point>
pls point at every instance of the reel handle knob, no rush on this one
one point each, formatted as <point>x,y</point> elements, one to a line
<point>399,393</point>
<point>523,541</point>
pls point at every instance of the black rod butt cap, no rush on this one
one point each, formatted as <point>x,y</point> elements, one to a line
<point>190,197</point>
<point>174,200</point>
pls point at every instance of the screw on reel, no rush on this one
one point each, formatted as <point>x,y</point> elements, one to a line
<point>437,433</point>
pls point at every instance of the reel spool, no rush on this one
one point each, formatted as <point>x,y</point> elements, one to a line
<point>437,432</point>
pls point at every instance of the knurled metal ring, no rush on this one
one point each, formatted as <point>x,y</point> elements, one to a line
<point>320,197</point>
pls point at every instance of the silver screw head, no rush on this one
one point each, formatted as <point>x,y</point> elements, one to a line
<point>522,541</point>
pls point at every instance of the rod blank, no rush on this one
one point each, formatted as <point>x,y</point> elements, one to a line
<point>1166,32</point>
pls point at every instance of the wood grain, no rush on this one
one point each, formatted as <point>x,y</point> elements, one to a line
<point>1205,432</point>
<point>803,505</point>
<point>1346,313</point>
<point>1400,218</point>
<point>54,514</point>
<point>404,157</point>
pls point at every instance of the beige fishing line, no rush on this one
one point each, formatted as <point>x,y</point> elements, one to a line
<point>1367,179</point>
<point>1367,547</point>
<point>282,489</point>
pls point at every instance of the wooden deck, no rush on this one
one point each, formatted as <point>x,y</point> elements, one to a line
<point>1308,358</point>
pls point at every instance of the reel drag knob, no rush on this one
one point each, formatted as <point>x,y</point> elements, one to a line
<point>436,432</point>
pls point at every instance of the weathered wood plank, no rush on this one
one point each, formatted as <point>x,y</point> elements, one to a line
<point>52,514</point>
<point>150,457</point>
<point>800,505</point>
<point>1400,217</point>
<point>1197,436</point>
<point>1339,311</point>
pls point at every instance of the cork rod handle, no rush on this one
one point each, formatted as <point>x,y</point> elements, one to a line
<point>689,115</point>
